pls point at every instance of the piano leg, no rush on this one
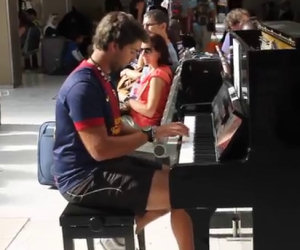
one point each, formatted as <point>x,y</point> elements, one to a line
<point>274,196</point>
<point>201,219</point>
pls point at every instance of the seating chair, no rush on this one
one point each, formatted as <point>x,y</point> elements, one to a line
<point>79,222</point>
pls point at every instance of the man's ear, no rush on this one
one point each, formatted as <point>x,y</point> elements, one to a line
<point>113,46</point>
<point>164,26</point>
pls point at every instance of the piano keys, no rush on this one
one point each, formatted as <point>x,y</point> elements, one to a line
<point>199,146</point>
<point>188,91</point>
<point>280,35</point>
<point>214,130</point>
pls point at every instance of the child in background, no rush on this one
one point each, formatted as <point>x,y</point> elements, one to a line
<point>72,56</point>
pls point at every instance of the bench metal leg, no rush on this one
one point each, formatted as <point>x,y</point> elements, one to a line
<point>129,240</point>
<point>90,243</point>
<point>68,243</point>
<point>141,240</point>
<point>67,240</point>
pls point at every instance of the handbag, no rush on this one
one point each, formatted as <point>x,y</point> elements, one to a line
<point>124,107</point>
<point>124,86</point>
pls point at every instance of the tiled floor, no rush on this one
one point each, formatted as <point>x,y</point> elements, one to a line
<point>29,211</point>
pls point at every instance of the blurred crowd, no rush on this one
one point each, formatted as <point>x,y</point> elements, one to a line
<point>189,23</point>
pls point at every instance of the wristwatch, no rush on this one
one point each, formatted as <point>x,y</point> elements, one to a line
<point>148,130</point>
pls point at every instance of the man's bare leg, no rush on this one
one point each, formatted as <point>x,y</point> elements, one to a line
<point>182,227</point>
<point>159,200</point>
<point>154,212</point>
<point>143,220</point>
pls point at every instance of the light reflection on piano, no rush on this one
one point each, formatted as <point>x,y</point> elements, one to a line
<point>227,133</point>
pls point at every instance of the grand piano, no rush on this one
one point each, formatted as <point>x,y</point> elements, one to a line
<point>262,112</point>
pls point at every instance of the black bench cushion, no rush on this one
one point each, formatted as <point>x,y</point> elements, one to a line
<point>75,215</point>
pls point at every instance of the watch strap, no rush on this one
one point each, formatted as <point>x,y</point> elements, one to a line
<point>149,132</point>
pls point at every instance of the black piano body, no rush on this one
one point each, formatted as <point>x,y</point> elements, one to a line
<point>268,178</point>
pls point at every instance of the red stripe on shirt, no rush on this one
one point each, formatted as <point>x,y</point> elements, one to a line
<point>88,123</point>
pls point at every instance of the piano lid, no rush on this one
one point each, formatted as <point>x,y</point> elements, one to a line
<point>286,31</point>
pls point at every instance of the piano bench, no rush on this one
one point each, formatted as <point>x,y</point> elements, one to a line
<point>80,222</point>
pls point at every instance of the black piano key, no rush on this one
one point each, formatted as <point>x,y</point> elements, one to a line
<point>204,143</point>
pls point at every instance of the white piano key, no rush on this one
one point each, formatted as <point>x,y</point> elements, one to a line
<point>186,154</point>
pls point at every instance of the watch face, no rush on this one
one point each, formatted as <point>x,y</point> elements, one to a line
<point>147,128</point>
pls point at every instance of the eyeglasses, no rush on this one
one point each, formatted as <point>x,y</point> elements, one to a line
<point>147,25</point>
<point>146,50</point>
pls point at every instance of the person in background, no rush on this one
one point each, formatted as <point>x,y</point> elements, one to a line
<point>24,24</point>
<point>137,8</point>
<point>76,22</point>
<point>234,20</point>
<point>204,23</point>
<point>149,95</point>
<point>72,55</point>
<point>156,22</point>
<point>92,162</point>
<point>222,9</point>
<point>30,36</point>
<point>174,32</point>
<point>50,27</point>
<point>32,15</point>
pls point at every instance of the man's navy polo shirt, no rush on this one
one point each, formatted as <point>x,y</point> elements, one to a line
<point>85,99</point>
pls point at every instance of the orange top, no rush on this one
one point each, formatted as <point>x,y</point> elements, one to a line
<point>165,73</point>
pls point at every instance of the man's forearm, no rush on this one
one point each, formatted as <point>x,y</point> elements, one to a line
<point>117,146</point>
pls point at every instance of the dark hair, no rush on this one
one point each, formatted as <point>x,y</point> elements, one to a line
<point>159,44</point>
<point>31,12</point>
<point>158,15</point>
<point>24,20</point>
<point>118,27</point>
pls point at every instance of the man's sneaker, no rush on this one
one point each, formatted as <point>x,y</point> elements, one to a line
<point>113,243</point>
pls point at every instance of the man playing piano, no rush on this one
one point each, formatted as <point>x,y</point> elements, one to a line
<point>92,166</point>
